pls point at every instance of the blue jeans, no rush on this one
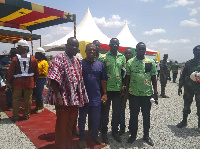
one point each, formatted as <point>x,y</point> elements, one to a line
<point>113,96</point>
<point>38,90</point>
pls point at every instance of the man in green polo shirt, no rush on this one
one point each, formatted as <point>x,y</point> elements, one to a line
<point>140,77</point>
<point>114,63</point>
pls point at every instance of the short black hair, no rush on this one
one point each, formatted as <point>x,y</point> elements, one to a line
<point>128,49</point>
<point>70,39</point>
<point>140,45</point>
<point>89,44</point>
<point>197,47</point>
<point>95,41</point>
<point>114,39</point>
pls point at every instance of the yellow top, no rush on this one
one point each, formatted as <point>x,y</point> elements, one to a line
<point>43,68</point>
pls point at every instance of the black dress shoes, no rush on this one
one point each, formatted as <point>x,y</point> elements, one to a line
<point>121,132</point>
<point>131,139</point>
<point>117,137</point>
<point>105,138</point>
<point>148,141</point>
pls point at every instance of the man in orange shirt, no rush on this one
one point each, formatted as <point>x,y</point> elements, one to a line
<point>22,76</point>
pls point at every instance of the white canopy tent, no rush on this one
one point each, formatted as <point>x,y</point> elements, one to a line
<point>125,37</point>
<point>86,31</point>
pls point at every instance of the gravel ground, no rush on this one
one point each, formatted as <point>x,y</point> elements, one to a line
<point>163,132</point>
<point>11,137</point>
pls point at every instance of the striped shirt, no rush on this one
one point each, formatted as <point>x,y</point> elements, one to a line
<point>68,73</point>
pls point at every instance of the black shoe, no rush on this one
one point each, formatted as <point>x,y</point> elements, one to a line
<point>105,138</point>
<point>181,124</point>
<point>148,141</point>
<point>121,132</point>
<point>82,144</point>
<point>14,119</point>
<point>75,132</point>
<point>131,139</point>
<point>99,141</point>
<point>117,137</point>
<point>198,129</point>
<point>164,96</point>
<point>10,109</point>
<point>26,117</point>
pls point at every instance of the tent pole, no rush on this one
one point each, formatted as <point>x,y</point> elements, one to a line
<point>31,43</point>
<point>75,28</point>
<point>40,42</point>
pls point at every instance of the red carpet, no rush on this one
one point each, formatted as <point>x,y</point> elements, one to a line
<point>40,128</point>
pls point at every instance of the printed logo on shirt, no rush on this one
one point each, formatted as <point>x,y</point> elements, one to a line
<point>108,63</point>
<point>117,76</point>
<point>146,82</point>
<point>141,92</point>
<point>130,90</point>
<point>108,75</point>
<point>112,86</point>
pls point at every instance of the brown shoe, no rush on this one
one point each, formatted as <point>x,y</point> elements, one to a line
<point>75,132</point>
<point>26,117</point>
<point>99,141</point>
<point>82,144</point>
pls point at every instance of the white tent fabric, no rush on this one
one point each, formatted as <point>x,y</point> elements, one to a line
<point>125,37</point>
<point>87,30</point>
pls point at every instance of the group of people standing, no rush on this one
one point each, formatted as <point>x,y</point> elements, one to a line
<point>164,69</point>
<point>89,86</point>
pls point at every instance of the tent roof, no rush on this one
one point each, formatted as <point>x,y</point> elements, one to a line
<point>7,36</point>
<point>87,30</point>
<point>29,16</point>
<point>151,52</point>
<point>125,37</point>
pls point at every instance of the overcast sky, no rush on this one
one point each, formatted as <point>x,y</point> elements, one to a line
<point>167,26</point>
